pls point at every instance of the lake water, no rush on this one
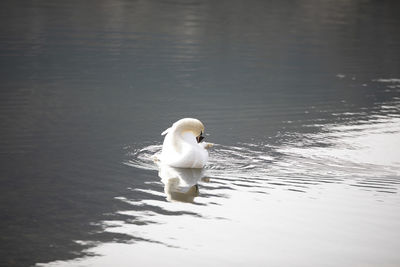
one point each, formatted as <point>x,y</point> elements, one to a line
<point>301,99</point>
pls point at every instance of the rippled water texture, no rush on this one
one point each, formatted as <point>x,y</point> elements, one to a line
<point>301,101</point>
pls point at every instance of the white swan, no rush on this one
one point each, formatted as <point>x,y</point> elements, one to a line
<point>182,147</point>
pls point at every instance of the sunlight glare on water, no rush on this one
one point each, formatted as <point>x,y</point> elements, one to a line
<point>257,203</point>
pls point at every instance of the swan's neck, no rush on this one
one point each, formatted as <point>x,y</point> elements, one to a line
<point>188,137</point>
<point>179,137</point>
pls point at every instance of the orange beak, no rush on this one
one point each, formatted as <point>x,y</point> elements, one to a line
<point>200,137</point>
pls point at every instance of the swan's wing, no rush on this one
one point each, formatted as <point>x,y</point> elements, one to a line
<point>206,145</point>
<point>166,131</point>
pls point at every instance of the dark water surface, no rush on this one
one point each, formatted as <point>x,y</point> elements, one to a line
<point>301,99</point>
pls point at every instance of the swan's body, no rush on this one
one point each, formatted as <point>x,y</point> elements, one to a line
<point>182,147</point>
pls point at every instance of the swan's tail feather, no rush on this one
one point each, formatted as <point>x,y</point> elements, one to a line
<point>166,131</point>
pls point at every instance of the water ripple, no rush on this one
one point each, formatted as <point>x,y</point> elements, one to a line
<point>359,155</point>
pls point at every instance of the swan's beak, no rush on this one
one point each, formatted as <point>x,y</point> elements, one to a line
<point>200,137</point>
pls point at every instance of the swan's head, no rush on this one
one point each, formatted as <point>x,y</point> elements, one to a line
<point>189,125</point>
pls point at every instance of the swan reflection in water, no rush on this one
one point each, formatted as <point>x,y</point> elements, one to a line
<point>180,184</point>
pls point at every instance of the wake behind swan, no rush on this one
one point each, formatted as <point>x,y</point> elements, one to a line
<point>298,164</point>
